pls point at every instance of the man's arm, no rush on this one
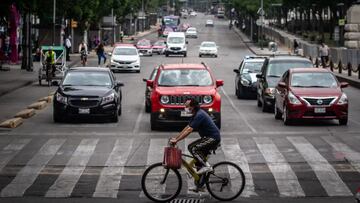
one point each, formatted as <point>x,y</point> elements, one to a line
<point>182,135</point>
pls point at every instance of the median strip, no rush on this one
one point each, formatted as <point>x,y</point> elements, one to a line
<point>47,99</point>
<point>37,105</point>
<point>12,123</point>
<point>26,113</point>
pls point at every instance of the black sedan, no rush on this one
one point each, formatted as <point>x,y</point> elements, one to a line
<point>245,79</point>
<point>88,92</point>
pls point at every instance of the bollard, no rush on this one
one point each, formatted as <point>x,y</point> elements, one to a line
<point>340,67</point>
<point>349,69</point>
<point>332,66</point>
<point>11,123</point>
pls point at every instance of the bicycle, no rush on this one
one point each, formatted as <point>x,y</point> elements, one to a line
<point>83,57</point>
<point>225,182</point>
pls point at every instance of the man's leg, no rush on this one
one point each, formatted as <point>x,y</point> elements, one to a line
<point>99,59</point>
<point>200,149</point>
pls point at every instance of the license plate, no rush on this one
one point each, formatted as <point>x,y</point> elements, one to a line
<point>319,110</point>
<point>84,111</point>
<point>122,66</point>
<point>185,114</point>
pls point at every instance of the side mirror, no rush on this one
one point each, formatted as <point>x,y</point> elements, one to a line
<point>150,83</point>
<point>236,71</point>
<point>219,83</point>
<point>119,84</point>
<point>344,84</point>
<point>259,76</point>
<point>281,85</point>
<point>55,83</point>
<point>109,53</point>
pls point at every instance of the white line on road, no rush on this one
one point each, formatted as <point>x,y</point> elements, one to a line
<point>66,181</point>
<point>27,175</point>
<point>352,156</point>
<point>11,150</point>
<point>238,112</point>
<point>233,153</point>
<point>286,179</point>
<point>326,174</point>
<point>109,181</point>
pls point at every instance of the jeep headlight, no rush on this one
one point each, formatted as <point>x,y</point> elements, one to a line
<point>61,99</point>
<point>164,99</point>
<point>107,99</point>
<point>207,99</point>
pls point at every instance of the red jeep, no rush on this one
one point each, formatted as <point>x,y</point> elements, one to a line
<point>176,83</point>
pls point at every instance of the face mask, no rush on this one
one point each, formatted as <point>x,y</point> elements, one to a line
<point>188,110</point>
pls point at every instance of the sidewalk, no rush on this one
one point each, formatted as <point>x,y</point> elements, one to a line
<point>353,80</point>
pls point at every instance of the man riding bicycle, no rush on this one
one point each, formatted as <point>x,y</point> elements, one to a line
<point>83,50</point>
<point>50,57</point>
<point>208,131</point>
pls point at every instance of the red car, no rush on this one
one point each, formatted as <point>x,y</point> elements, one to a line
<point>174,84</point>
<point>144,47</point>
<point>310,93</point>
<point>159,47</point>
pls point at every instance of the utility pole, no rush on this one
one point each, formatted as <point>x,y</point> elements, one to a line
<point>113,25</point>
<point>54,14</point>
<point>261,23</point>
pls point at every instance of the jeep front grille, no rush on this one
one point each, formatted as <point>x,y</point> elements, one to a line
<point>181,99</point>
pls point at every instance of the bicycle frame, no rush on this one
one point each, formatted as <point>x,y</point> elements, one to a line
<point>189,166</point>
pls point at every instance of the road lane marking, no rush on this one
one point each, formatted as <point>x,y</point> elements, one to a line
<point>285,178</point>
<point>27,175</point>
<point>238,112</point>
<point>109,181</point>
<point>233,153</point>
<point>68,178</point>
<point>326,174</point>
<point>138,120</point>
<point>155,155</point>
<point>352,156</point>
<point>11,150</point>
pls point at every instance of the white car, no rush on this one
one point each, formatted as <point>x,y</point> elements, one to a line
<point>209,23</point>
<point>193,13</point>
<point>208,48</point>
<point>191,32</point>
<point>125,58</point>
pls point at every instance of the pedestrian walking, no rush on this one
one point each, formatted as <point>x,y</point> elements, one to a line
<point>100,52</point>
<point>296,47</point>
<point>121,36</point>
<point>324,54</point>
<point>68,47</point>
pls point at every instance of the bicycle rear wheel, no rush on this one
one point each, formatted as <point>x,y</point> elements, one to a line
<point>226,182</point>
<point>160,184</point>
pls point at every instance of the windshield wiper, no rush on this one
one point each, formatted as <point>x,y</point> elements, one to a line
<point>273,76</point>
<point>320,86</point>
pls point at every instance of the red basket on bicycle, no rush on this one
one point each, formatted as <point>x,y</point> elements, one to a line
<point>172,157</point>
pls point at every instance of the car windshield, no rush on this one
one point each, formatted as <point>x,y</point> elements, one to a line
<point>87,78</point>
<point>208,45</point>
<point>278,68</point>
<point>185,77</point>
<point>306,80</point>
<point>159,43</point>
<point>176,40</point>
<point>252,67</point>
<point>143,43</point>
<point>124,51</point>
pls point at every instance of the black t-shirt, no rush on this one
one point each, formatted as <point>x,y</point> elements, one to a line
<point>206,127</point>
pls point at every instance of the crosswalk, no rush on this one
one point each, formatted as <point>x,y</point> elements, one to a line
<point>265,156</point>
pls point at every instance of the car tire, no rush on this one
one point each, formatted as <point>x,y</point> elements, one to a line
<point>120,110</point>
<point>185,54</point>
<point>343,121</point>
<point>285,116</point>
<point>153,122</point>
<point>277,113</point>
<point>264,106</point>
<point>166,54</point>
<point>239,93</point>
<point>57,118</point>
<point>115,118</point>
<point>215,55</point>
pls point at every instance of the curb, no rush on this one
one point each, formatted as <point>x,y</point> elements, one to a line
<point>12,123</point>
<point>38,105</point>
<point>26,113</point>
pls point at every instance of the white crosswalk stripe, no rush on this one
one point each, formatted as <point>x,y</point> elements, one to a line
<point>233,153</point>
<point>11,150</point>
<point>110,177</point>
<point>326,174</point>
<point>352,156</point>
<point>68,178</point>
<point>26,177</point>
<point>285,177</point>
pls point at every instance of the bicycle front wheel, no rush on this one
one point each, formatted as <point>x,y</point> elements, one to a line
<point>160,184</point>
<point>226,182</point>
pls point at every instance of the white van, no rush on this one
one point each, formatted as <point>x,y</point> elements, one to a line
<point>176,44</point>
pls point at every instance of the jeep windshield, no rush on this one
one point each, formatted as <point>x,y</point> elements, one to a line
<point>176,40</point>
<point>278,68</point>
<point>185,77</point>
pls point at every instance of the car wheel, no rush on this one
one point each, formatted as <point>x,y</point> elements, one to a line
<point>167,55</point>
<point>115,118</point>
<point>343,121</point>
<point>215,55</point>
<point>184,54</point>
<point>265,107</point>
<point>119,110</point>
<point>285,116</point>
<point>277,113</point>
<point>153,122</point>
<point>239,93</point>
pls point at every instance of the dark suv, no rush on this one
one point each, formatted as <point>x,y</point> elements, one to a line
<point>274,67</point>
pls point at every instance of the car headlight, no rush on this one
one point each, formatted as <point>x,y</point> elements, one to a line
<point>343,99</point>
<point>61,99</point>
<point>207,99</point>
<point>107,99</point>
<point>245,82</point>
<point>164,99</point>
<point>293,99</point>
<point>270,91</point>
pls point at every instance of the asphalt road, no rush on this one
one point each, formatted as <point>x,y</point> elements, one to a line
<point>92,161</point>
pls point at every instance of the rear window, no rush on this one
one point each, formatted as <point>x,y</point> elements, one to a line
<point>185,77</point>
<point>319,80</point>
<point>278,68</point>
